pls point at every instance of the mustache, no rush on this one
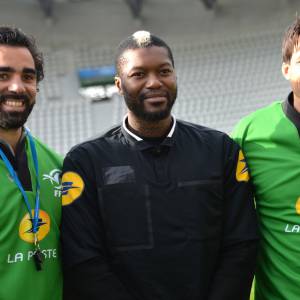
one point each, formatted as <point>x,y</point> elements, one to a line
<point>151,94</point>
<point>23,97</point>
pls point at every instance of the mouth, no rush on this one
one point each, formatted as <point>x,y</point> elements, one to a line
<point>156,97</point>
<point>13,105</point>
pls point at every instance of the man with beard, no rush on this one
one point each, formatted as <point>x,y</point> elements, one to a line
<point>29,179</point>
<point>156,208</point>
<point>270,139</point>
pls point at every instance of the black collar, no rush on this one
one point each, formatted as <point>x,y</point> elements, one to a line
<point>290,111</point>
<point>8,151</point>
<point>19,161</point>
<point>141,144</point>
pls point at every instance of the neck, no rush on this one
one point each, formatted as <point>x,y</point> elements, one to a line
<point>11,136</point>
<point>296,103</point>
<point>149,129</point>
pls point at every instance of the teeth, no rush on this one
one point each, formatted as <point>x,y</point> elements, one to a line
<point>14,103</point>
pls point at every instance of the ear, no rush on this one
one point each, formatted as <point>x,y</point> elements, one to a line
<point>118,84</point>
<point>285,68</point>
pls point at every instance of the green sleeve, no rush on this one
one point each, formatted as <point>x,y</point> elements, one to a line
<point>239,132</point>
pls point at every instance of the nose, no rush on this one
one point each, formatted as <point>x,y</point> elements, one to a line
<point>153,81</point>
<point>16,85</point>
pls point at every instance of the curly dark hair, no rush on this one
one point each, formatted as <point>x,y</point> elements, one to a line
<point>12,36</point>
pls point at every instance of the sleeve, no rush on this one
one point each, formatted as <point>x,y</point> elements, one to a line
<point>88,273</point>
<point>240,131</point>
<point>235,267</point>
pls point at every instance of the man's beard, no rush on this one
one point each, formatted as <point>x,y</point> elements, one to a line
<point>15,119</point>
<point>136,105</point>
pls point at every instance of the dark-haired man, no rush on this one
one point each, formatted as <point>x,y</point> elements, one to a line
<point>29,180</point>
<point>156,208</point>
<point>270,139</point>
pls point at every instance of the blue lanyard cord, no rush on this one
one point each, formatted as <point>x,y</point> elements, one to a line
<point>13,174</point>
<point>37,195</point>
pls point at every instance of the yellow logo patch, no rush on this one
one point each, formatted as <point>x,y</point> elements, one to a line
<point>72,187</point>
<point>25,228</point>
<point>242,173</point>
<point>297,206</point>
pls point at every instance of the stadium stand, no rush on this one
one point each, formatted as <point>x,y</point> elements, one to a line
<point>228,61</point>
<point>62,125</point>
<point>219,82</point>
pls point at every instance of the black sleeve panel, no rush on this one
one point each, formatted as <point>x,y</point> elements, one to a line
<point>87,271</point>
<point>80,228</point>
<point>234,274</point>
<point>236,264</point>
<point>91,280</point>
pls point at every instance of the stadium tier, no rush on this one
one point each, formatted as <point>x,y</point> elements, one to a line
<point>219,82</point>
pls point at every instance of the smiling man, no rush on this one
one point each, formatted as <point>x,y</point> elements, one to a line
<point>156,208</point>
<point>30,203</point>
<point>270,138</point>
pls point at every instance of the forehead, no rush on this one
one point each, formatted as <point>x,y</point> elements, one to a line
<point>293,46</point>
<point>16,57</point>
<point>150,57</point>
<point>295,55</point>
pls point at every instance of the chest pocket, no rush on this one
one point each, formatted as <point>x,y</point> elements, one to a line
<point>126,213</point>
<point>203,207</point>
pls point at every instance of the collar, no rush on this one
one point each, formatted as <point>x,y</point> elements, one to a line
<point>141,144</point>
<point>139,138</point>
<point>290,111</point>
<point>8,150</point>
<point>19,160</point>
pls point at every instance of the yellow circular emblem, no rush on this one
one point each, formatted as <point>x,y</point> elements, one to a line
<point>25,228</point>
<point>242,173</point>
<point>298,206</point>
<point>72,187</point>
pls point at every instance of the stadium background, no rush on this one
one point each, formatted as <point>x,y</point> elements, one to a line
<point>228,59</point>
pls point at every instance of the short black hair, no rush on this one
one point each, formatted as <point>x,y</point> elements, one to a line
<point>290,40</point>
<point>140,39</point>
<point>15,37</point>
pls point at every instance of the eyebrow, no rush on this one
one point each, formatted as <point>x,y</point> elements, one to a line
<point>6,69</point>
<point>167,64</point>
<point>142,67</point>
<point>29,70</point>
<point>25,70</point>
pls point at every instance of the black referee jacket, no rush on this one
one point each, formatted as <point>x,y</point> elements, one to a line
<point>159,221</point>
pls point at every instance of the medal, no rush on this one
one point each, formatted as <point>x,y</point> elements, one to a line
<point>38,256</point>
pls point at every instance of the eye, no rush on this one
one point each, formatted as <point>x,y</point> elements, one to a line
<point>4,76</point>
<point>29,77</point>
<point>138,74</point>
<point>165,71</point>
